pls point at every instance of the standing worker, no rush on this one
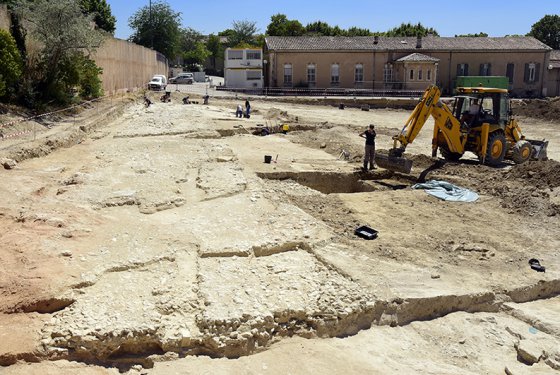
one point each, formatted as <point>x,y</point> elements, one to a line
<point>369,135</point>
<point>247,108</point>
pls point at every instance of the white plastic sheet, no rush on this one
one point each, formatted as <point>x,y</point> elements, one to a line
<point>447,191</point>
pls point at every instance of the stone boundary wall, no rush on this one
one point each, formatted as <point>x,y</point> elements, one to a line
<point>127,66</point>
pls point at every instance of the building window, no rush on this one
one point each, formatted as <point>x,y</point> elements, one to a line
<point>254,75</point>
<point>419,74</point>
<point>485,69</point>
<point>359,73</point>
<point>532,71</point>
<point>287,74</point>
<point>388,73</point>
<point>335,77</point>
<point>311,72</point>
<point>429,74</point>
<point>411,75</point>
<point>235,54</point>
<point>253,55</point>
<point>462,69</point>
<point>509,71</point>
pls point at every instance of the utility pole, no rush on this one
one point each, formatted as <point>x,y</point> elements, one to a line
<point>151,27</point>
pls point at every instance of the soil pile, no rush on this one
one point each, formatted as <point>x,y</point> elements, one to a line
<point>547,109</point>
<point>528,188</point>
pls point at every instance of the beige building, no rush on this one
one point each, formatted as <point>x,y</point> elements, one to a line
<point>553,76</point>
<point>404,63</point>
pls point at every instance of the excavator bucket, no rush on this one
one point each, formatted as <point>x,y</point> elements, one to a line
<point>539,149</point>
<point>393,163</point>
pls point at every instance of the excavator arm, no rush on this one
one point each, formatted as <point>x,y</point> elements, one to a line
<point>447,131</point>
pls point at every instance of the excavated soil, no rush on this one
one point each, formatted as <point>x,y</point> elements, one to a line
<point>547,109</point>
<point>157,241</point>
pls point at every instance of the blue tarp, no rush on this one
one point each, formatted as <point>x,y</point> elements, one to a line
<point>447,191</point>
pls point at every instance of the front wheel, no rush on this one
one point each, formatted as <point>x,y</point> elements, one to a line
<point>521,152</point>
<point>496,148</point>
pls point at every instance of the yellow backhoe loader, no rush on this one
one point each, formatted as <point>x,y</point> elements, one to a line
<point>480,121</point>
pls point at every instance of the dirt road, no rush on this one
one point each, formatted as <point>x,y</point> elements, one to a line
<point>161,243</point>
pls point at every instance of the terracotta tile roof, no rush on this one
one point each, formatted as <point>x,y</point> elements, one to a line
<point>418,57</point>
<point>360,43</point>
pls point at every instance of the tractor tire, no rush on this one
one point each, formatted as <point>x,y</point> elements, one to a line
<point>496,150</point>
<point>521,152</point>
<point>448,155</point>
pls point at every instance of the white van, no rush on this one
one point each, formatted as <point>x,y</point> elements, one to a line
<point>158,82</point>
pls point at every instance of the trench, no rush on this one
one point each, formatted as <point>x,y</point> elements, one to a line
<point>339,183</point>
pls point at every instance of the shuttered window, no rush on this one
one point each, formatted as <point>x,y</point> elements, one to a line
<point>485,69</point>
<point>509,72</point>
<point>532,72</point>
<point>462,69</point>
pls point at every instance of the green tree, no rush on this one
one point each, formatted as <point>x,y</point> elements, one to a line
<point>158,29</point>
<point>63,32</point>
<point>547,30</point>
<point>103,17</point>
<point>195,57</point>
<point>243,32</point>
<point>356,31</point>
<point>318,28</point>
<point>10,64</point>
<point>214,46</point>
<point>408,29</point>
<point>478,35</point>
<point>193,49</point>
<point>280,25</point>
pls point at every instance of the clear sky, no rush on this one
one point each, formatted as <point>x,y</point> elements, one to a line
<point>494,17</point>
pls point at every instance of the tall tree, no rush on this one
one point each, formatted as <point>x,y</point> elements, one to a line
<point>408,29</point>
<point>547,30</point>
<point>157,28</point>
<point>243,33</point>
<point>193,49</point>
<point>280,25</point>
<point>214,46</point>
<point>103,17</point>
<point>318,28</point>
<point>65,35</point>
<point>357,31</point>
<point>477,35</point>
<point>10,63</point>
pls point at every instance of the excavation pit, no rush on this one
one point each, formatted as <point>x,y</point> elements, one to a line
<point>336,183</point>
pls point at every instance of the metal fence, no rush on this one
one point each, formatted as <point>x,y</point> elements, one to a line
<point>364,89</point>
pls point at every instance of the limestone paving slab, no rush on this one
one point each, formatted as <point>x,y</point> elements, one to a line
<point>251,224</point>
<point>131,310</point>
<point>280,294</point>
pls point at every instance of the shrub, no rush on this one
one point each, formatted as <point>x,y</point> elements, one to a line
<point>10,64</point>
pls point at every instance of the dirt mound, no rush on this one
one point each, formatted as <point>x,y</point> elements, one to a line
<point>547,109</point>
<point>275,113</point>
<point>524,189</point>
<point>541,174</point>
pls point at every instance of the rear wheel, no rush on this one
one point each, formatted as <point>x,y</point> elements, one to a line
<point>448,155</point>
<point>496,149</point>
<point>521,152</point>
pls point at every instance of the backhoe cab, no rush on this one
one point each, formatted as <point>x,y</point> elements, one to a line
<point>480,121</point>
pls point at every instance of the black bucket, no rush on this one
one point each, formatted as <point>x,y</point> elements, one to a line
<point>267,159</point>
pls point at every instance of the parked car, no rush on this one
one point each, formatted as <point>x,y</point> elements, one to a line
<point>158,82</point>
<point>183,79</point>
<point>187,78</point>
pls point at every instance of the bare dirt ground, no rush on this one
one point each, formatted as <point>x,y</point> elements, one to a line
<point>156,241</point>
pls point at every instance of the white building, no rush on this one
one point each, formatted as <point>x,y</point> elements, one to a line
<point>243,68</point>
